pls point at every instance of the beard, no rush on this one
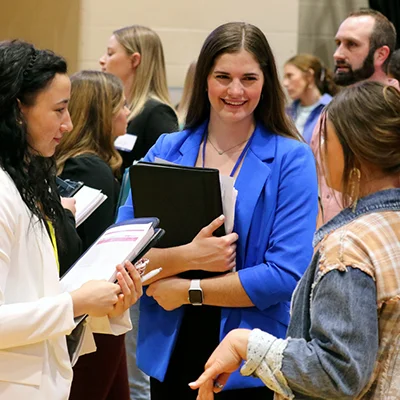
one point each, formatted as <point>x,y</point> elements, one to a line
<point>352,76</point>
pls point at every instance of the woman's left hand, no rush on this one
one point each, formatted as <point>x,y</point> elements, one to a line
<point>131,288</point>
<point>225,359</point>
<point>170,293</point>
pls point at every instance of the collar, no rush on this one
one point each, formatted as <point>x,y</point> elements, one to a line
<point>263,144</point>
<point>385,200</point>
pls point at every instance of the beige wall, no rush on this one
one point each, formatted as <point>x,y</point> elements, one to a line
<point>47,23</point>
<point>318,23</point>
<point>183,25</point>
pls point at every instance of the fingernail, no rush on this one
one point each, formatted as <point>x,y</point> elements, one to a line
<point>222,217</point>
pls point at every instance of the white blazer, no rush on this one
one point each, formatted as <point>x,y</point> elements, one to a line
<point>34,315</point>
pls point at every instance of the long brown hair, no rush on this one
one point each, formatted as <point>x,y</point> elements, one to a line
<point>150,75</point>
<point>366,119</point>
<point>231,38</point>
<point>322,76</point>
<point>96,97</point>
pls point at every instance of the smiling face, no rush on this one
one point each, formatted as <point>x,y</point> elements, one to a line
<point>354,61</point>
<point>48,118</point>
<point>234,86</point>
<point>116,60</point>
<point>294,81</point>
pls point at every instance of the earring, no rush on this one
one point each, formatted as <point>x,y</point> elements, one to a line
<point>354,178</point>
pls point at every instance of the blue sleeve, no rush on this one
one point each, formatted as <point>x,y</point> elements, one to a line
<point>127,211</point>
<point>290,242</point>
<point>338,360</point>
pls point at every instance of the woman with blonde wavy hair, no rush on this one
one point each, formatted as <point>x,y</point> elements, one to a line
<point>135,54</point>
<point>87,154</point>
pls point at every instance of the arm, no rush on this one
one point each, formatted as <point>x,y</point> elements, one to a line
<point>290,243</point>
<point>94,173</point>
<point>339,359</point>
<point>336,363</point>
<point>69,244</point>
<point>26,322</point>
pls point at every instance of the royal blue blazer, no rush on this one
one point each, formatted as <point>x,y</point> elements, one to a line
<point>275,219</point>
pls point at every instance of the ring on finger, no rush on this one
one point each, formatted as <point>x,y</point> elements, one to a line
<point>218,385</point>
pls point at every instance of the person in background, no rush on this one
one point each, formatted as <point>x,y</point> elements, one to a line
<point>365,42</point>
<point>182,107</point>
<point>394,66</point>
<point>87,154</point>
<point>310,85</point>
<point>236,122</point>
<point>343,337</point>
<point>135,54</point>
<point>35,315</point>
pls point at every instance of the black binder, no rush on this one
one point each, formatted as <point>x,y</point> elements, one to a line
<point>184,199</point>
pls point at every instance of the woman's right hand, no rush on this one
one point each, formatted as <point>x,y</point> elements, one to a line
<point>212,253</point>
<point>95,298</point>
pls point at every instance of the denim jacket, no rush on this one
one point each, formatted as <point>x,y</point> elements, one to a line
<point>344,335</point>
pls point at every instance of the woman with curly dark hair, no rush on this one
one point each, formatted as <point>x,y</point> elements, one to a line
<point>35,315</point>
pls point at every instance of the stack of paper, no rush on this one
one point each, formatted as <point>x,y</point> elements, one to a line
<point>87,200</point>
<point>117,244</point>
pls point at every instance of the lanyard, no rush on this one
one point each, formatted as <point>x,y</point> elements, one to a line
<point>238,161</point>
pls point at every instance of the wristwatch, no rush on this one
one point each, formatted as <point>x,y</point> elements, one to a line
<point>195,293</point>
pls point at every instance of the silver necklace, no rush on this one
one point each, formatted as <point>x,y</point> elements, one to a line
<point>220,152</point>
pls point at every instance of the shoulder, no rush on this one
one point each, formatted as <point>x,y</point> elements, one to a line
<point>154,107</point>
<point>11,202</point>
<point>289,147</point>
<point>168,144</point>
<point>8,190</point>
<point>86,163</point>
<point>362,242</point>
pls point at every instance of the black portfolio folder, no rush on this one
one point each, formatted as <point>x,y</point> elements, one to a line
<point>184,199</point>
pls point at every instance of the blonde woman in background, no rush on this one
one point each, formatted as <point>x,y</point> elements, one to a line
<point>310,85</point>
<point>87,154</point>
<point>182,107</point>
<point>135,54</point>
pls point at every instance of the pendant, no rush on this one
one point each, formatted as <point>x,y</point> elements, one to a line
<point>220,152</point>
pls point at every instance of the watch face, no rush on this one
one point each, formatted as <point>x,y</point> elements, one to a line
<point>195,296</point>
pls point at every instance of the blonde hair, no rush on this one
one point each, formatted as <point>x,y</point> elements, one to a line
<point>150,75</point>
<point>183,106</point>
<point>96,98</point>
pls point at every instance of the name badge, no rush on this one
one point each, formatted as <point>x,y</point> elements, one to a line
<point>125,142</point>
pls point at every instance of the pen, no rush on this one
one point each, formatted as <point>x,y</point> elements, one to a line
<point>151,274</point>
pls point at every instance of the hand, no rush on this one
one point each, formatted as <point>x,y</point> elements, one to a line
<point>95,298</point>
<point>211,253</point>
<point>69,203</point>
<point>131,288</point>
<point>225,359</point>
<point>170,293</point>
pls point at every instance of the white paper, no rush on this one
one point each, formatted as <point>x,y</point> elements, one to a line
<point>125,142</point>
<point>228,196</point>
<point>116,245</point>
<point>87,200</point>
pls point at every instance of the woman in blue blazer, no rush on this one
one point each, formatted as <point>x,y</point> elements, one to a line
<point>236,123</point>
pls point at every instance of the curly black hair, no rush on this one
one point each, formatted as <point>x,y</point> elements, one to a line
<point>24,73</point>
